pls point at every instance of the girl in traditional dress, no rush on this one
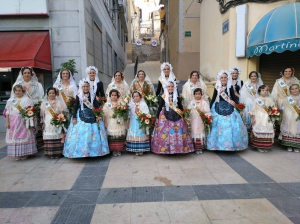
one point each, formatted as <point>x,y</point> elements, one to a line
<point>171,135</point>
<point>35,91</point>
<point>52,135</point>
<point>20,140</point>
<point>198,105</point>
<point>66,86</point>
<point>166,75</point>
<point>142,83</point>
<point>92,77</point>
<point>84,138</point>
<point>228,131</point>
<point>137,139</point>
<point>237,83</point>
<point>249,94</point>
<point>262,135</point>
<point>281,88</point>
<point>290,126</point>
<point>188,88</point>
<point>116,128</point>
<point>118,82</point>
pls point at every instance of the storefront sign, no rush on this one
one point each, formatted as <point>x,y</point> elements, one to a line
<point>277,46</point>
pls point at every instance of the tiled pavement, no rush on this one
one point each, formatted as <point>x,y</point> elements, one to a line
<point>215,187</point>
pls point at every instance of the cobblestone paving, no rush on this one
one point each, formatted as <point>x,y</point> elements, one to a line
<point>215,187</point>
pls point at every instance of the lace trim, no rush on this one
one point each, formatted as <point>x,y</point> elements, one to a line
<point>199,136</point>
<point>288,134</point>
<point>137,139</point>
<point>116,133</point>
<point>263,135</point>
<point>52,136</point>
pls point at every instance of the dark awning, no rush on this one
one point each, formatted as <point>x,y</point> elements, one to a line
<point>277,31</point>
<point>18,49</point>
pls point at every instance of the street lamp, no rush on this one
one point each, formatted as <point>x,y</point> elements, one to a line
<point>133,17</point>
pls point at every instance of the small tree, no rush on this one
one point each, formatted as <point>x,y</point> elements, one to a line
<point>70,65</point>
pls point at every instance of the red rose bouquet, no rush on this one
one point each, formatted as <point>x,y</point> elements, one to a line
<point>240,107</point>
<point>101,100</point>
<point>207,121</point>
<point>71,104</point>
<point>98,112</point>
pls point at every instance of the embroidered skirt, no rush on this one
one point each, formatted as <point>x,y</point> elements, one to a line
<point>171,137</point>
<point>228,131</point>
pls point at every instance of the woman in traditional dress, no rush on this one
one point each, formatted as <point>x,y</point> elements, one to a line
<point>188,88</point>
<point>281,88</point>
<point>35,91</point>
<point>27,78</point>
<point>137,139</point>
<point>171,135</point>
<point>249,94</point>
<point>262,135</point>
<point>290,126</point>
<point>52,136</point>
<point>142,83</point>
<point>228,131</point>
<point>66,86</point>
<point>118,82</point>
<point>92,77</point>
<point>237,83</point>
<point>198,105</point>
<point>166,75</point>
<point>20,140</point>
<point>84,138</point>
<point>116,128</point>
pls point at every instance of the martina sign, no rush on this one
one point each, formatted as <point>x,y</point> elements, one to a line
<point>277,46</point>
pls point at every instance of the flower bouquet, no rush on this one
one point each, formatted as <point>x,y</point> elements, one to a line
<point>121,111</point>
<point>240,107</point>
<point>71,104</point>
<point>186,116</point>
<point>37,106</point>
<point>101,100</point>
<point>60,121</point>
<point>98,112</point>
<point>274,113</point>
<point>207,121</point>
<point>28,114</point>
<point>147,122</point>
<point>151,100</point>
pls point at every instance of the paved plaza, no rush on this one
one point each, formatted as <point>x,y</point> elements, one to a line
<point>215,187</point>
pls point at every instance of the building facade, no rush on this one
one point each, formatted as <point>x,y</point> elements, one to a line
<point>180,39</point>
<point>92,32</point>
<point>260,36</point>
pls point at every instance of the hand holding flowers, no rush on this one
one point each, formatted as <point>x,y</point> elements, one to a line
<point>121,111</point>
